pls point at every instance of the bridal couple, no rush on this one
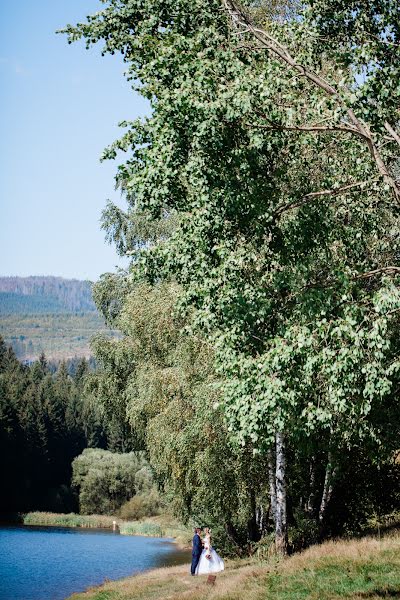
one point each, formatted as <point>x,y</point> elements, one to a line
<point>204,558</point>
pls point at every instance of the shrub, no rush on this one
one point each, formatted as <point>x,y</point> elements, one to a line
<point>304,534</point>
<point>144,480</point>
<point>106,480</point>
<point>265,548</point>
<point>141,506</point>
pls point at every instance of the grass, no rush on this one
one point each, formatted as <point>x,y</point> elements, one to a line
<point>141,528</point>
<point>160,526</point>
<point>171,528</point>
<point>356,569</point>
<point>67,520</point>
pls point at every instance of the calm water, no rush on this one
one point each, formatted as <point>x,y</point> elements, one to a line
<point>50,563</point>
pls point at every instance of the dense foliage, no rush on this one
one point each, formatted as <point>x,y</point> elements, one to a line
<point>160,382</point>
<point>264,184</point>
<point>106,480</point>
<point>44,424</point>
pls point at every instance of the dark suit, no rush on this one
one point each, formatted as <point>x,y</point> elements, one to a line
<point>196,552</point>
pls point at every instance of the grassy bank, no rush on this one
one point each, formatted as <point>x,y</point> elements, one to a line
<point>67,520</point>
<point>160,526</point>
<point>356,569</point>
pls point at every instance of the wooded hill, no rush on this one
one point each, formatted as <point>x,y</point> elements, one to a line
<point>34,295</point>
<point>48,314</point>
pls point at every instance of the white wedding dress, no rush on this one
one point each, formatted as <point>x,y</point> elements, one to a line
<point>215,564</point>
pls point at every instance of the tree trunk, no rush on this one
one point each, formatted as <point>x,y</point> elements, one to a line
<point>260,520</point>
<point>272,483</point>
<point>328,489</point>
<point>311,502</point>
<point>281,520</point>
<point>232,534</point>
<point>253,532</point>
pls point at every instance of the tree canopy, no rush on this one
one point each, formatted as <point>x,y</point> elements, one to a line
<point>265,184</point>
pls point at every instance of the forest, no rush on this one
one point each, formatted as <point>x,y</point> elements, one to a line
<point>259,366</point>
<point>45,423</point>
<point>58,336</point>
<point>257,371</point>
<point>37,294</point>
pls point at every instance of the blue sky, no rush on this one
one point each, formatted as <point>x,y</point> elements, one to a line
<point>59,107</point>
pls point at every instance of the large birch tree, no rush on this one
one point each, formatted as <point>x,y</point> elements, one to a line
<point>267,170</point>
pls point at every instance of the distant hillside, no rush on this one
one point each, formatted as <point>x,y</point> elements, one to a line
<point>59,336</point>
<point>44,295</point>
<point>49,314</point>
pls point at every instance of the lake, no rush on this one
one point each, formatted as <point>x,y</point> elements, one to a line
<point>50,563</point>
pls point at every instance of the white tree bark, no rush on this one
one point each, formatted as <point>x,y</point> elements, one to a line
<point>272,483</point>
<point>310,506</point>
<point>281,517</point>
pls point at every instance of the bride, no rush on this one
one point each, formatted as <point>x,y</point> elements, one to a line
<point>209,561</point>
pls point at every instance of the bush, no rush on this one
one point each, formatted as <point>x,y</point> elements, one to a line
<point>106,480</point>
<point>144,480</point>
<point>304,534</point>
<point>265,548</point>
<point>141,506</point>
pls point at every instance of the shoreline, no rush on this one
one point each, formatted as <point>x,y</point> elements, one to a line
<point>161,526</point>
<point>56,562</point>
<point>355,568</point>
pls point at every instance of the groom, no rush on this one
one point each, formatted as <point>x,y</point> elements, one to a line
<point>196,550</point>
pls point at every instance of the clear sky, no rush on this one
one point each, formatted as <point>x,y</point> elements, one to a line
<point>59,107</point>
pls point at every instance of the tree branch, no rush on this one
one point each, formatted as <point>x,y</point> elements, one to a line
<point>321,193</point>
<point>391,270</point>
<point>317,128</point>
<point>240,20</point>
<point>393,133</point>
